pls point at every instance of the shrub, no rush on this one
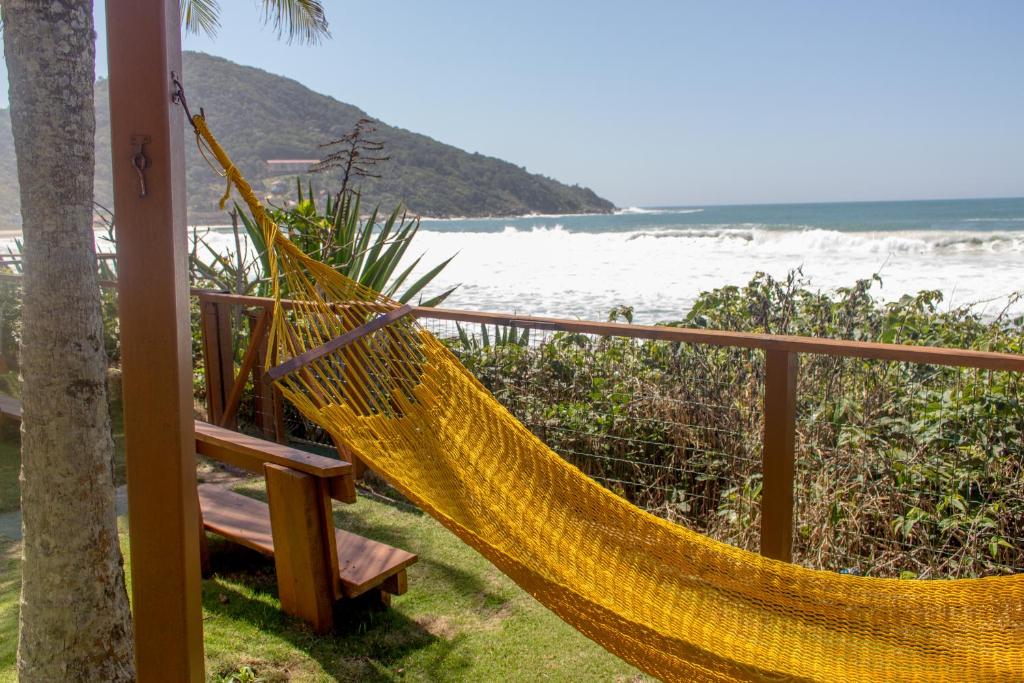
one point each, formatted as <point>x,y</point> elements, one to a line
<point>902,469</point>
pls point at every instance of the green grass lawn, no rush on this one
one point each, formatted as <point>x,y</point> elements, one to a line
<point>461,620</point>
<point>10,463</point>
<point>10,585</point>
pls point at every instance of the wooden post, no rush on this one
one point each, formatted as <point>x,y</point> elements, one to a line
<point>226,353</point>
<point>303,546</point>
<point>143,44</point>
<point>211,360</point>
<point>778,458</point>
<point>218,357</point>
<point>269,402</point>
<point>269,412</point>
<point>257,339</point>
<point>262,391</point>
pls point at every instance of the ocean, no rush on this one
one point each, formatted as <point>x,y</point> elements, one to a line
<point>658,260</point>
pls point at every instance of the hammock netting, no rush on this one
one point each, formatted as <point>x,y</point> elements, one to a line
<point>674,603</point>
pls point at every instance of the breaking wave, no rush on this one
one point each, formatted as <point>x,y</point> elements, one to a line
<point>660,260</point>
<point>800,239</point>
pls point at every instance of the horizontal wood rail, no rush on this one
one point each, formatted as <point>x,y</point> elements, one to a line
<point>928,355</point>
<point>250,301</point>
<point>303,359</point>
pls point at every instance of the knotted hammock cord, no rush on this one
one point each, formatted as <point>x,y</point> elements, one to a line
<point>674,603</point>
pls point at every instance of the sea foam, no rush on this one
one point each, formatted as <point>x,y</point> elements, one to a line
<point>660,260</point>
<point>551,270</point>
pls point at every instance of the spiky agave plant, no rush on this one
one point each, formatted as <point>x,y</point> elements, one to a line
<point>368,250</point>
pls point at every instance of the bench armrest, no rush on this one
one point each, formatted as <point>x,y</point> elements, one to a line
<point>250,453</point>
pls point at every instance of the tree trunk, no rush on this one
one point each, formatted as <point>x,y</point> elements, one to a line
<point>75,621</point>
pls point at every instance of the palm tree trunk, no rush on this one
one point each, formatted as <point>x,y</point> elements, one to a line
<point>75,620</point>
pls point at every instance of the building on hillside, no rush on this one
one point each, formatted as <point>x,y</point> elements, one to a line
<point>283,166</point>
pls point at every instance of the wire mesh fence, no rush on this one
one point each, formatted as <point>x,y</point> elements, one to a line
<point>621,410</point>
<point>901,469</point>
<point>909,470</point>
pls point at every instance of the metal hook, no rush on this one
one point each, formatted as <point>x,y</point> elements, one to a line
<point>139,160</point>
<point>178,97</point>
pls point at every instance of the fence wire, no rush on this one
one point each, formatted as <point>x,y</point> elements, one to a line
<point>909,470</point>
<point>901,469</point>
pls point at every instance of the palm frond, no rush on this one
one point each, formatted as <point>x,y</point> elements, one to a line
<point>303,21</point>
<point>200,16</point>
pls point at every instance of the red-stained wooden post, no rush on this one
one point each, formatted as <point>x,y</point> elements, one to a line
<point>778,459</point>
<point>144,46</point>
<point>212,370</point>
<point>269,411</point>
<point>218,356</point>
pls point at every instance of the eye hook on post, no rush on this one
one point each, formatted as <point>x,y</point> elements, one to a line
<point>178,97</point>
<point>139,161</point>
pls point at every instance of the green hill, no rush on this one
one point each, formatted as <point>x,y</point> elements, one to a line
<point>259,116</point>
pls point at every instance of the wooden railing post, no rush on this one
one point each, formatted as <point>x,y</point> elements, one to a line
<point>778,457</point>
<point>218,356</point>
<point>269,413</point>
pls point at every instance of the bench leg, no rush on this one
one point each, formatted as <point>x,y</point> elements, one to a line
<point>359,467</point>
<point>396,584</point>
<point>204,549</point>
<point>303,545</point>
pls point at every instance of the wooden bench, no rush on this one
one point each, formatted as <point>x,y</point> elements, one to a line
<point>316,564</point>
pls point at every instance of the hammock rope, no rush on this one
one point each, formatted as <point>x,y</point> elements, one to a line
<point>674,603</point>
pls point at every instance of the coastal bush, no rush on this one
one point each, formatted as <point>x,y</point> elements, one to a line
<point>902,469</point>
<point>367,249</point>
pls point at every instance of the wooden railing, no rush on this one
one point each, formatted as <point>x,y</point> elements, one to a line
<point>782,354</point>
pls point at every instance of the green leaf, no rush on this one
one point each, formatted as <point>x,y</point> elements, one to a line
<point>398,281</point>
<point>434,301</point>
<point>415,288</point>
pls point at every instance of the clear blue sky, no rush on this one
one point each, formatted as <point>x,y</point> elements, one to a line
<point>674,102</point>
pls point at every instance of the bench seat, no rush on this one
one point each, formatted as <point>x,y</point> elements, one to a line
<point>363,564</point>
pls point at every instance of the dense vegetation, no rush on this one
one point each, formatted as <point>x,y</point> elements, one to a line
<point>903,470</point>
<point>260,116</point>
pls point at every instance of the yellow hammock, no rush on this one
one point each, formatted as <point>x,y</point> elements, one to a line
<point>672,602</point>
